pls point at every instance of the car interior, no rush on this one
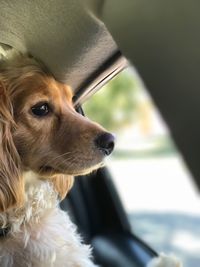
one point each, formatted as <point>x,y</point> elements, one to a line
<point>85,44</point>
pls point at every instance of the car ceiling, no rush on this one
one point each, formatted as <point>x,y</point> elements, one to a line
<point>64,35</point>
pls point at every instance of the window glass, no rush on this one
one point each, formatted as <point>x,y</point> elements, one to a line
<point>155,186</point>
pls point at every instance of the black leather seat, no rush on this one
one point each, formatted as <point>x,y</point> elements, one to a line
<point>95,207</point>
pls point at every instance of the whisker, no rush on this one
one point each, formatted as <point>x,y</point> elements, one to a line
<point>52,161</point>
<point>57,164</point>
<point>62,155</point>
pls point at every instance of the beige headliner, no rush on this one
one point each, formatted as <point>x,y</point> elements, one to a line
<point>62,33</point>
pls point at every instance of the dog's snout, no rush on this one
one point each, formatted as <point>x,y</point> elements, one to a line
<point>105,142</point>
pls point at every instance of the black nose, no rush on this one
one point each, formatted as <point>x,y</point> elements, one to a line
<point>105,143</point>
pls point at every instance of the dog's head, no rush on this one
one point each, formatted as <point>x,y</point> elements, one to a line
<point>42,132</point>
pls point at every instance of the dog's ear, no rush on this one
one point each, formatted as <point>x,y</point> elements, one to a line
<point>11,183</point>
<point>62,184</point>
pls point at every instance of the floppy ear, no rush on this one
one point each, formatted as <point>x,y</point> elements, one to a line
<point>11,183</point>
<point>62,184</point>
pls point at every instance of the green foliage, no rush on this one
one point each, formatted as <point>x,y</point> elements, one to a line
<point>114,106</point>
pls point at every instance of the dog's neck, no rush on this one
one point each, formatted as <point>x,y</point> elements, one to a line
<point>40,200</point>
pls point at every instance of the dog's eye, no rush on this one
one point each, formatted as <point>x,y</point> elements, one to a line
<point>40,109</point>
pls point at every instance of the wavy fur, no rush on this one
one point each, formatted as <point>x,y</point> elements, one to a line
<point>11,180</point>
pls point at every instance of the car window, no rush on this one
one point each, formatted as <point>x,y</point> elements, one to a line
<point>155,186</point>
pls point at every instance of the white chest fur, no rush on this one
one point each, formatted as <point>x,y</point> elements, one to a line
<point>41,235</point>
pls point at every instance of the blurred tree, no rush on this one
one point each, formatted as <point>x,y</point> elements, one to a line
<point>114,106</point>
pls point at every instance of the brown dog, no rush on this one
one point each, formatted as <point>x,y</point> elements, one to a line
<point>44,142</point>
<point>42,132</point>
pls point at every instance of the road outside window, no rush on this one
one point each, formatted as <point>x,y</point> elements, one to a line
<point>151,177</point>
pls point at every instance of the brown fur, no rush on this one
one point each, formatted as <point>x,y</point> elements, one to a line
<point>63,140</point>
<point>11,181</point>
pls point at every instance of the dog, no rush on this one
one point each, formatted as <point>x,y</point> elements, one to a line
<point>44,143</point>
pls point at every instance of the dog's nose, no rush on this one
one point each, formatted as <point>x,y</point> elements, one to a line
<point>105,142</point>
